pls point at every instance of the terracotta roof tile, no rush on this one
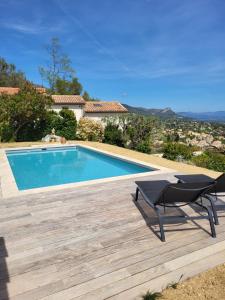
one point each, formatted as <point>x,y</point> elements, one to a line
<point>103,106</point>
<point>68,99</point>
<point>14,90</point>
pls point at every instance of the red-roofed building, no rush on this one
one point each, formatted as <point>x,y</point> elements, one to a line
<point>15,90</point>
<point>95,110</point>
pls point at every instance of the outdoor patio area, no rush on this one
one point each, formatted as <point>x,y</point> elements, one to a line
<point>94,242</point>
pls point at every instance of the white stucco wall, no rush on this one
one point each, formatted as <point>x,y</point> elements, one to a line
<point>77,109</point>
<point>99,116</point>
<point>79,112</point>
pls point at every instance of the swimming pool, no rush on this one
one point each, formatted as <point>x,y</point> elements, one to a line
<point>35,168</point>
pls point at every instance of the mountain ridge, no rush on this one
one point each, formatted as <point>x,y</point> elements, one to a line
<point>159,112</point>
<point>217,116</point>
<point>165,113</point>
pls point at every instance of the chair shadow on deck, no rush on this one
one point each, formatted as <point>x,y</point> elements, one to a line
<point>219,204</point>
<point>170,218</point>
<point>4,275</point>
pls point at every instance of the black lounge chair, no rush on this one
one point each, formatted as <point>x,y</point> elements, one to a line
<point>165,194</point>
<point>217,188</point>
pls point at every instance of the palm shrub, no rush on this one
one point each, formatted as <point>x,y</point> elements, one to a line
<point>90,130</point>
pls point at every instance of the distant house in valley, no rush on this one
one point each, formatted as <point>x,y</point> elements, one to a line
<point>95,110</point>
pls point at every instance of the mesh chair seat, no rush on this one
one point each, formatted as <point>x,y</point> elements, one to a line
<point>164,193</point>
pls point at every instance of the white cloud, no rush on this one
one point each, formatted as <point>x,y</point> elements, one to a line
<point>35,27</point>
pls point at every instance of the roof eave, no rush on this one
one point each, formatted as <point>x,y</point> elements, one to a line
<point>106,111</point>
<point>69,103</point>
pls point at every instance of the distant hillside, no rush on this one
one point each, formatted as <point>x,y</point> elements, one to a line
<point>217,116</point>
<point>162,113</point>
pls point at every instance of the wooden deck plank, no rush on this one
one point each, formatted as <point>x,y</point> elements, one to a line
<point>94,243</point>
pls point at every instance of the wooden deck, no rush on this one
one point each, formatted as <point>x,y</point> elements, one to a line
<point>95,243</point>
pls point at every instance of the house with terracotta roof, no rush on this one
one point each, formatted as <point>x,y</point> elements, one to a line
<point>95,110</point>
<point>74,102</point>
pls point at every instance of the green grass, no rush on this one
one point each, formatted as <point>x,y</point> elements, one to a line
<point>151,296</point>
<point>173,285</point>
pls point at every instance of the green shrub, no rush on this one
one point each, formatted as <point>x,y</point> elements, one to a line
<point>68,124</point>
<point>210,160</point>
<point>64,123</point>
<point>32,132</point>
<point>138,130</point>
<point>52,121</point>
<point>175,151</point>
<point>130,131</point>
<point>144,147</point>
<point>23,114</point>
<point>113,135</point>
<point>6,132</point>
<point>90,130</point>
<point>151,296</point>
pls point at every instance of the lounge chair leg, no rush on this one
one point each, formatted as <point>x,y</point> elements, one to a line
<point>213,231</point>
<point>160,224</point>
<point>211,222</point>
<point>216,221</point>
<point>211,200</point>
<point>137,193</point>
<point>210,218</point>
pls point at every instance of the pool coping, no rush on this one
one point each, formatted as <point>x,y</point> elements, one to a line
<point>8,186</point>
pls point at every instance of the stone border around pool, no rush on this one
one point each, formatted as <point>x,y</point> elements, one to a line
<point>8,186</point>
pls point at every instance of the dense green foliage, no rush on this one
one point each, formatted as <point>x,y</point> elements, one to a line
<point>86,96</point>
<point>176,151</point>
<point>208,159</point>
<point>9,76</point>
<point>90,130</point>
<point>64,123</point>
<point>139,132</point>
<point>113,135</point>
<point>144,147</point>
<point>130,131</point>
<point>211,160</point>
<point>68,87</point>
<point>23,115</point>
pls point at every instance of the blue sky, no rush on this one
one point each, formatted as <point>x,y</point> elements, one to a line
<point>152,53</point>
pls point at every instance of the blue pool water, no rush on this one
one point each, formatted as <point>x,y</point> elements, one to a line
<point>36,168</point>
